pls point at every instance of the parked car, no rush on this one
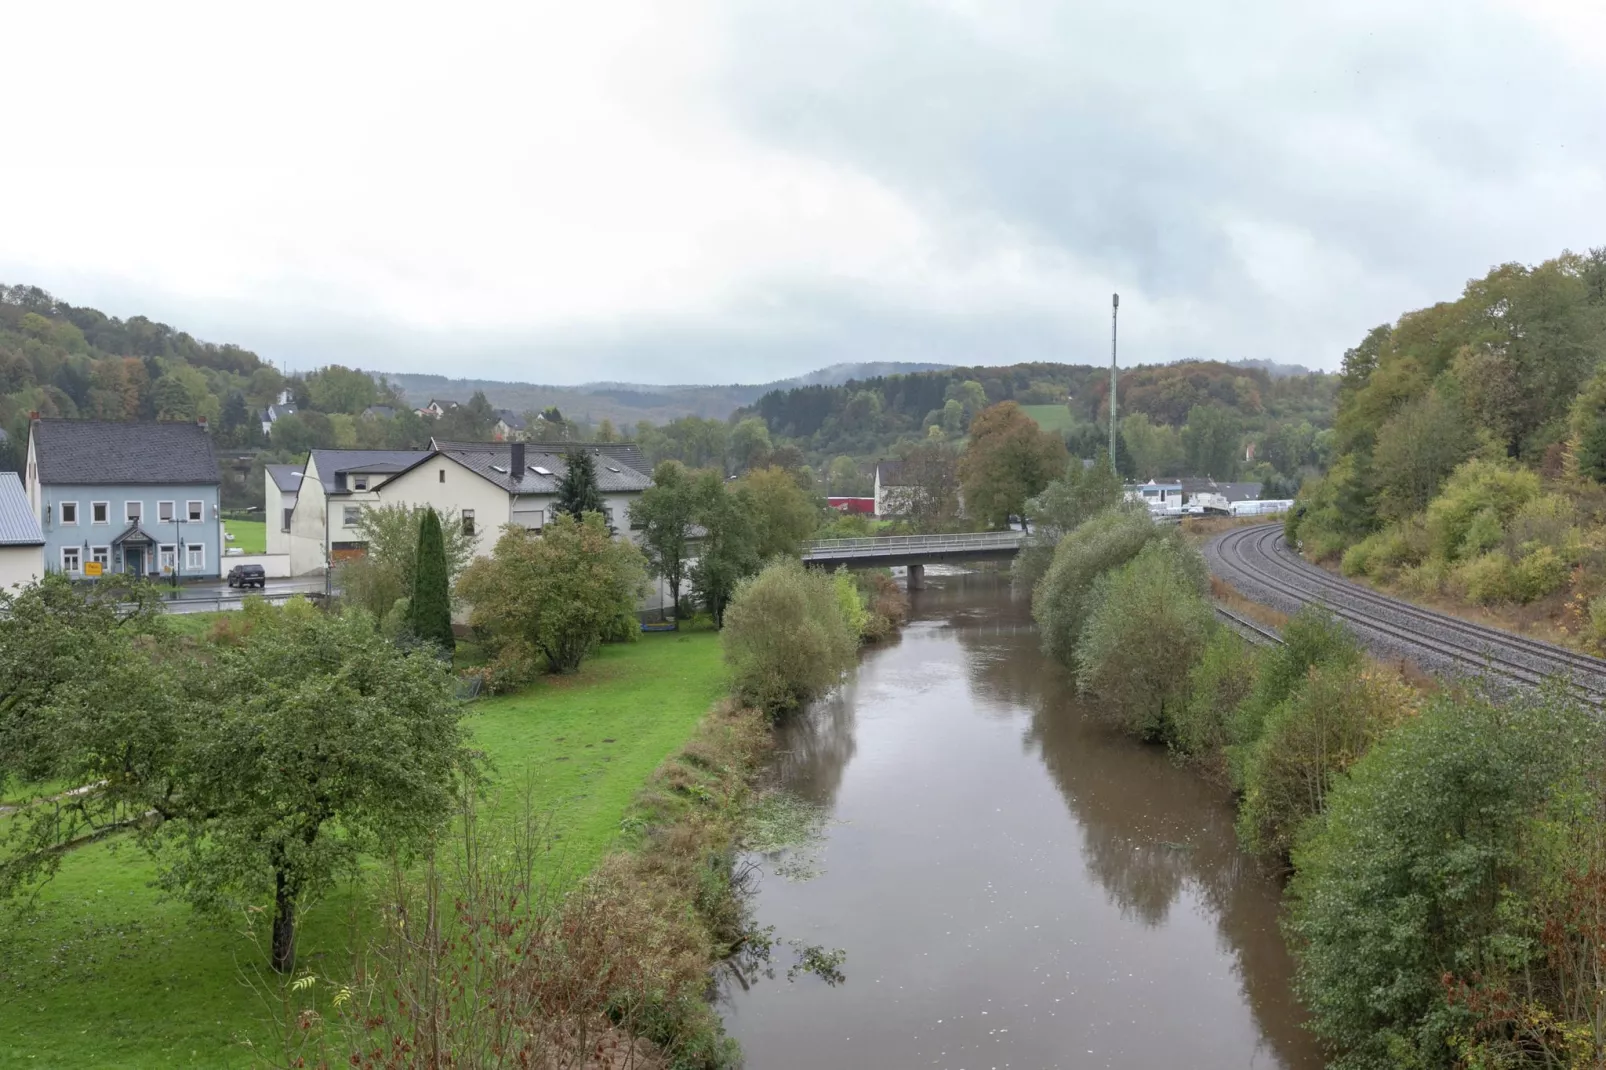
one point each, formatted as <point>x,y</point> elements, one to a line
<point>247,576</point>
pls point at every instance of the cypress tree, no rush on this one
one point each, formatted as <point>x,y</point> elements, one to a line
<point>578,493</point>
<point>431,609</point>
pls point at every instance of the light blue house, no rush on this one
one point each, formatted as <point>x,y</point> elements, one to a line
<point>134,498</point>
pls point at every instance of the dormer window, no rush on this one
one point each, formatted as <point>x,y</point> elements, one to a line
<point>359,482</point>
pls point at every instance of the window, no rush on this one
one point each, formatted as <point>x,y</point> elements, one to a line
<point>353,514</point>
<point>359,482</point>
<point>194,510</point>
<point>100,512</point>
<point>164,512</point>
<point>101,555</point>
<point>194,557</point>
<point>607,514</point>
<point>167,558</point>
<point>443,475</point>
<point>69,512</point>
<point>287,514</point>
<point>70,559</point>
<point>468,521</point>
<point>131,511</point>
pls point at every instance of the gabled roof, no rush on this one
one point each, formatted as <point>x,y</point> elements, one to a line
<point>275,412</point>
<point>890,473</point>
<point>614,473</point>
<point>624,454</point>
<point>330,462</point>
<point>1233,492</point>
<point>287,477</point>
<point>18,525</point>
<point>100,452</point>
<point>513,420</point>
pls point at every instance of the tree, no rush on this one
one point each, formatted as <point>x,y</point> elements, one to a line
<point>750,444</point>
<point>606,431</point>
<point>929,490</point>
<point>1009,459</point>
<point>577,490</point>
<point>783,514</point>
<point>729,551</point>
<point>339,389</point>
<point>1211,442</point>
<point>1080,494</point>
<point>310,742</point>
<point>430,610</point>
<point>1063,598</point>
<point>665,513</point>
<point>787,637</point>
<point>844,479</point>
<point>555,594</point>
<point>1416,450</point>
<point>386,571</point>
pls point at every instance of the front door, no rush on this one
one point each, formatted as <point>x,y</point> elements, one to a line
<point>134,561</point>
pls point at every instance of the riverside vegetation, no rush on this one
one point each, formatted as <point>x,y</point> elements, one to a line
<point>1446,854</point>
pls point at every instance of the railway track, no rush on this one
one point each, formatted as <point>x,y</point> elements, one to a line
<point>1257,561</point>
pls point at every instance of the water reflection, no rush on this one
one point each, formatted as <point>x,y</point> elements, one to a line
<point>1013,883</point>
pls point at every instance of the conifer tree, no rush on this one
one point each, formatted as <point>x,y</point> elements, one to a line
<point>578,493</point>
<point>431,607</point>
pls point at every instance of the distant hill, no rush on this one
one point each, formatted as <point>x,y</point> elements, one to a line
<point>627,403</point>
<point>1273,369</point>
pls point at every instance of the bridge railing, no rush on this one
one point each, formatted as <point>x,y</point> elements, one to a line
<point>984,540</point>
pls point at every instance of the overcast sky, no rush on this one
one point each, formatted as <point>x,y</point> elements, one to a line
<point>742,190</point>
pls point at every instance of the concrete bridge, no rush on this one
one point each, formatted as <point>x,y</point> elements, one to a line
<point>914,551</point>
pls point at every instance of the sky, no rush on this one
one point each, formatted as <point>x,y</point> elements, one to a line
<point>683,191</point>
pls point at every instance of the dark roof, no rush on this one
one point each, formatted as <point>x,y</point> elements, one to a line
<point>286,476</point>
<point>381,412</point>
<point>333,461</point>
<point>101,452</point>
<point>484,458</point>
<point>890,473</point>
<point>18,525</point>
<point>1233,492</point>
<point>511,418</point>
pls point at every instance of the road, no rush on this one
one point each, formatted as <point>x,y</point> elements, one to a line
<point>1258,562</point>
<point>215,595</point>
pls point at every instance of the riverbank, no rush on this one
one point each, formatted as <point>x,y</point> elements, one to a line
<point>107,973</point>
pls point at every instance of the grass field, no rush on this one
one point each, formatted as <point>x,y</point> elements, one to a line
<point>107,974</point>
<point>1049,417</point>
<point>249,535</point>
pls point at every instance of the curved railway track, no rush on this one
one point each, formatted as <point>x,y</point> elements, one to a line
<point>1257,561</point>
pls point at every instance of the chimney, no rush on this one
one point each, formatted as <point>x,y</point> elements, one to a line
<point>201,421</point>
<point>518,461</point>
<point>33,416</point>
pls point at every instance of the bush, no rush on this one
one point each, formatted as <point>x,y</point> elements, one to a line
<point>1312,736</point>
<point>1477,487</point>
<point>849,602</point>
<point>1426,579</point>
<point>1062,600</point>
<point>1222,678</point>
<point>1548,520</point>
<point>887,604</point>
<point>1486,580</point>
<point>1313,636</point>
<point>1540,572</point>
<point>1146,618</point>
<point>1414,876</point>
<point>786,637</point>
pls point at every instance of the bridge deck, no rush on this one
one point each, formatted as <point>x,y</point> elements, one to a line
<point>913,549</point>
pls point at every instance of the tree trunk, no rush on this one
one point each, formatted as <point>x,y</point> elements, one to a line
<point>284,923</point>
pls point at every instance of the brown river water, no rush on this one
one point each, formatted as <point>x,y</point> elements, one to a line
<point>1014,885</point>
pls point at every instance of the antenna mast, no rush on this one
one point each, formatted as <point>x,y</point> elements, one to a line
<point>1115,309</point>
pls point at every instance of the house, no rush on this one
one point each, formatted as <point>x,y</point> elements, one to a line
<point>509,426</point>
<point>283,483</point>
<point>134,498</point>
<point>436,408</point>
<point>1233,492</point>
<point>378,412</point>
<point>489,485</point>
<point>859,506</point>
<point>22,543</point>
<point>1163,497</point>
<point>276,412</point>
<point>893,495</point>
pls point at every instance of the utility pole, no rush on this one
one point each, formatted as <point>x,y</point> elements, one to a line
<point>1115,310</point>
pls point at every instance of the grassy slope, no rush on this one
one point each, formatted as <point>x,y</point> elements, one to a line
<point>249,535</point>
<point>108,975</point>
<point>1049,417</point>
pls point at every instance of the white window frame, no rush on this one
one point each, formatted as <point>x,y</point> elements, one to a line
<point>194,511</point>
<point>195,557</point>
<point>359,482</point>
<point>61,513</point>
<point>166,558</point>
<point>134,511</point>
<point>102,555</point>
<point>350,515</point>
<point>76,555</point>
<point>105,509</point>
<point>172,512</point>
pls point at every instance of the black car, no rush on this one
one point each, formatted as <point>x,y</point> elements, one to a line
<point>247,576</point>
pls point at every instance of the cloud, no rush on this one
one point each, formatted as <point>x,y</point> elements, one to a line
<point>723,190</point>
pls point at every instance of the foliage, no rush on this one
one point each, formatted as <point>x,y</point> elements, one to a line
<point>1218,682</point>
<point>1312,637</point>
<point>577,490</point>
<point>929,495</point>
<point>1062,599</point>
<point>1145,614</point>
<point>887,607</point>
<point>1417,448</point>
<point>1211,442</point>
<point>386,571</point>
<point>1008,460</point>
<point>729,551</point>
<point>1479,498</point>
<point>430,604</point>
<point>1420,873</point>
<point>787,638</point>
<point>784,515</point>
<point>1080,493</point>
<point>553,595</point>
<point>849,601</point>
<point>664,513</point>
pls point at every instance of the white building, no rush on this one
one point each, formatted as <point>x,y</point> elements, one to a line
<point>283,486</point>
<point>22,541</point>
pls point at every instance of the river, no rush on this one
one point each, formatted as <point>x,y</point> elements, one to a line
<point>1014,884</point>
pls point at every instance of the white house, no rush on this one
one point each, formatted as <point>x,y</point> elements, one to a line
<point>283,406</point>
<point>435,408</point>
<point>335,485</point>
<point>283,486</point>
<point>22,541</point>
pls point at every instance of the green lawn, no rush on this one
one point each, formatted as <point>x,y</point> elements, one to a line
<point>1049,417</point>
<point>249,535</point>
<point>107,974</point>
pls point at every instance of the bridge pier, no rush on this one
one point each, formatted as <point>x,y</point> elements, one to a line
<point>917,577</point>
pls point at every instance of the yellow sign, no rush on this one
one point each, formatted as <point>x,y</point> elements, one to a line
<point>92,568</point>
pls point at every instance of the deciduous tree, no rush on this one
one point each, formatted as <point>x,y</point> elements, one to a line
<point>665,513</point>
<point>1008,460</point>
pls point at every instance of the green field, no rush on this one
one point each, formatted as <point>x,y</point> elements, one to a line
<point>1049,417</point>
<point>249,535</point>
<point>108,974</point>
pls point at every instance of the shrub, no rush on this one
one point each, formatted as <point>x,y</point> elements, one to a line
<point>1146,618</point>
<point>1382,552</point>
<point>1412,876</point>
<point>1062,601</point>
<point>1313,636</point>
<point>848,600</point>
<point>887,604</point>
<point>1483,534</point>
<point>1426,579</point>
<point>1486,580</point>
<point>1548,520</point>
<point>786,637</point>
<point>1222,678</point>
<point>1476,486</point>
<point>1541,571</point>
<point>1307,740</point>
